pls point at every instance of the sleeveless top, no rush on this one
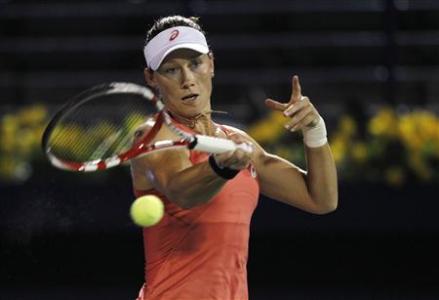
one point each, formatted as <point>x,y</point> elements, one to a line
<point>201,253</point>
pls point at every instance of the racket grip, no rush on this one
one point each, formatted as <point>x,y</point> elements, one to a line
<point>217,145</point>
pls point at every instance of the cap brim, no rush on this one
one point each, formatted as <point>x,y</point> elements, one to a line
<point>192,46</point>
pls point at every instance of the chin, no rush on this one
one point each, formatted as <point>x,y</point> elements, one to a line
<point>193,109</point>
<point>190,113</point>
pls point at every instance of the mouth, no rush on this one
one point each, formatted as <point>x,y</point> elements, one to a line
<point>190,97</point>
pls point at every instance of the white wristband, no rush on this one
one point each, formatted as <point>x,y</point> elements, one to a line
<point>316,136</point>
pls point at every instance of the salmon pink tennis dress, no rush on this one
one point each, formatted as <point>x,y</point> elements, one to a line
<point>201,253</point>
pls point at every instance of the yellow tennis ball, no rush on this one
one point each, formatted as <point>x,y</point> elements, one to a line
<point>147,210</point>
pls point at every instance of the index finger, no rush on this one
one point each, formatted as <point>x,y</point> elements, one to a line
<point>296,94</point>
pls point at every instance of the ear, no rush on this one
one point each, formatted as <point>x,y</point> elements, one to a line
<point>149,78</point>
<point>212,64</point>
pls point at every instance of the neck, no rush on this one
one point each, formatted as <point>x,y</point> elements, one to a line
<point>201,123</point>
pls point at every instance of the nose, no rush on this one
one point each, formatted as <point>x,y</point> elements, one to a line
<point>187,78</point>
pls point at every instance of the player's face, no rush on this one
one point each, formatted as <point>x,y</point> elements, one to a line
<point>184,80</point>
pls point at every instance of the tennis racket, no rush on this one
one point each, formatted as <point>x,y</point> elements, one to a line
<point>95,129</point>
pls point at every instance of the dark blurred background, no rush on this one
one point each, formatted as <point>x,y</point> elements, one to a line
<point>370,67</point>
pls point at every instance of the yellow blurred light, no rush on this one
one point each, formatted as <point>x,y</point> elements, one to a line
<point>347,126</point>
<point>339,148</point>
<point>268,130</point>
<point>384,123</point>
<point>359,152</point>
<point>32,115</point>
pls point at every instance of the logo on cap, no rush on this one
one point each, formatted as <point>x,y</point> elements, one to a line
<point>174,34</point>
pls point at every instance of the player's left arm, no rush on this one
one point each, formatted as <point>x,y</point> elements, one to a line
<point>314,190</point>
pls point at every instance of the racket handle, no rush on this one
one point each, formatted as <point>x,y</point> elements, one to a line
<point>217,145</point>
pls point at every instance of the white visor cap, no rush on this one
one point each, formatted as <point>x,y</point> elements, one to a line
<point>172,39</point>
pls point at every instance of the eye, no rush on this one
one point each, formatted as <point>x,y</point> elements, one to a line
<point>195,62</point>
<point>170,70</point>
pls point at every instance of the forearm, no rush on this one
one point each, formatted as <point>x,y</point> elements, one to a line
<point>194,186</point>
<point>322,177</point>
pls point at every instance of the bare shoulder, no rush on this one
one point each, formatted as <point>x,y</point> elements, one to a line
<point>234,130</point>
<point>156,163</point>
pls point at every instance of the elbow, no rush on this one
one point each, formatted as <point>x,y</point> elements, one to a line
<point>329,203</point>
<point>190,203</point>
<point>180,200</point>
<point>329,206</point>
<point>327,209</point>
<point>179,197</point>
<point>186,202</point>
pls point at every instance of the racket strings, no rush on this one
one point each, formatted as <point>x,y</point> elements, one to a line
<point>99,128</point>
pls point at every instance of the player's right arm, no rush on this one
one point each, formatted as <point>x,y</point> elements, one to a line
<point>172,173</point>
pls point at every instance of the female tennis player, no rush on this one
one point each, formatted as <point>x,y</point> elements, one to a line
<point>199,249</point>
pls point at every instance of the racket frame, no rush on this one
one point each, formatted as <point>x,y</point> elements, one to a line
<point>190,141</point>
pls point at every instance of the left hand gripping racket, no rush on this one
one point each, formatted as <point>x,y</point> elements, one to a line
<point>95,130</point>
